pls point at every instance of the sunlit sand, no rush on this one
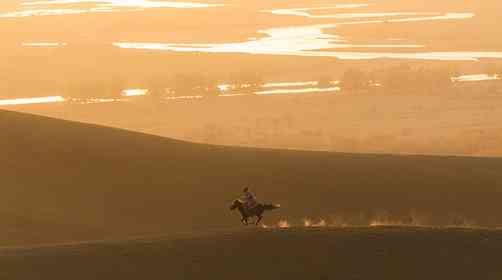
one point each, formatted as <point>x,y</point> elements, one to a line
<point>283,224</point>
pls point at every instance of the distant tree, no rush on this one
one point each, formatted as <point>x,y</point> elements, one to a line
<point>156,87</point>
<point>499,71</point>
<point>324,82</point>
<point>372,77</point>
<point>246,81</point>
<point>209,87</point>
<point>431,80</point>
<point>193,84</point>
<point>354,79</point>
<point>453,70</point>
<point>491,69</point>
<point>397,78</point>
<point>114,87</point>
<point>404,78</point>
<point>84,89</point>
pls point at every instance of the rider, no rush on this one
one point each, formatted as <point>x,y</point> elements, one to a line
<point>249,199</point>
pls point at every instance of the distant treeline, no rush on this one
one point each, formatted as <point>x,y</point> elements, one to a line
<point>403,78</point>
<point>192,84</point>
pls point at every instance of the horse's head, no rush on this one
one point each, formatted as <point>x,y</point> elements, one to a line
<point>235,204</point>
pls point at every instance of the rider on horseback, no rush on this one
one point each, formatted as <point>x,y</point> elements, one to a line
<point>249,199</point>
<point>248,207</point>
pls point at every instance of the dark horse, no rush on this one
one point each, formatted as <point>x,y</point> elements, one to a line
<point>255,211</point>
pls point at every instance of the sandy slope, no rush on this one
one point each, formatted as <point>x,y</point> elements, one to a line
<point>449,123</point>
<point>64,181</point>
<point>350,253</point>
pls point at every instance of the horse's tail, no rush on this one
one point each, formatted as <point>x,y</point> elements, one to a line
<point>271,206</point>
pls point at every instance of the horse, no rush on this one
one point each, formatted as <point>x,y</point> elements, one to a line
<point>255,211</point>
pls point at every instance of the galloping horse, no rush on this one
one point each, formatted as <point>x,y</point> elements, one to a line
<point>255,211</point>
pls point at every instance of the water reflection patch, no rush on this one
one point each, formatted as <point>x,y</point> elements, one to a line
<point>301,40</point>
<point>125,3</point>
<point>290,84</point>
<point>313,41</point>
<point>44,44</point>
<point>475,78</point>
<point>53,12</point>
<point>389,16</point>
<point>43,8</point>
<point>134,92</point>
<point>307,41</point>
<point>34,100</point>
<point>297,91</point>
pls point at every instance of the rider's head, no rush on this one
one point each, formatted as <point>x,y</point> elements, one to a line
<point>246,189</point>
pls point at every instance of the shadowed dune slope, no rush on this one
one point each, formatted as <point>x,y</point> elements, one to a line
<point>349,253</point>
<point>67,181</point>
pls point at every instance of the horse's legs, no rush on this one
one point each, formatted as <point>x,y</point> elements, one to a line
<point>259,219</point>
<point>244,221</point>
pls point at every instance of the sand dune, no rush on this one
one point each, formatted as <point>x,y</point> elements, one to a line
<point>78,182</point>
<point>350,253</point>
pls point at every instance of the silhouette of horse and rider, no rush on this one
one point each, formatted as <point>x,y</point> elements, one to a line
<point>248,207</point>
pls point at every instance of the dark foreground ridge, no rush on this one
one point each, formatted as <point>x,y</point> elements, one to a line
<point>295,253</point>
<point>64,181</point>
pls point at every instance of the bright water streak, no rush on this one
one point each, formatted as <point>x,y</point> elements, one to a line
<point>310,40</point>
<point>34,100</point>
<point>290,84</point>
<point>44,44</point>
<point>475,78</point>
<point>297,91</point>
<point>144,4</point>
<point>100,6</point>
<point>279,41</point>
<point>134,92</point>
<point>42,12</point>
<point>411,16</point>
